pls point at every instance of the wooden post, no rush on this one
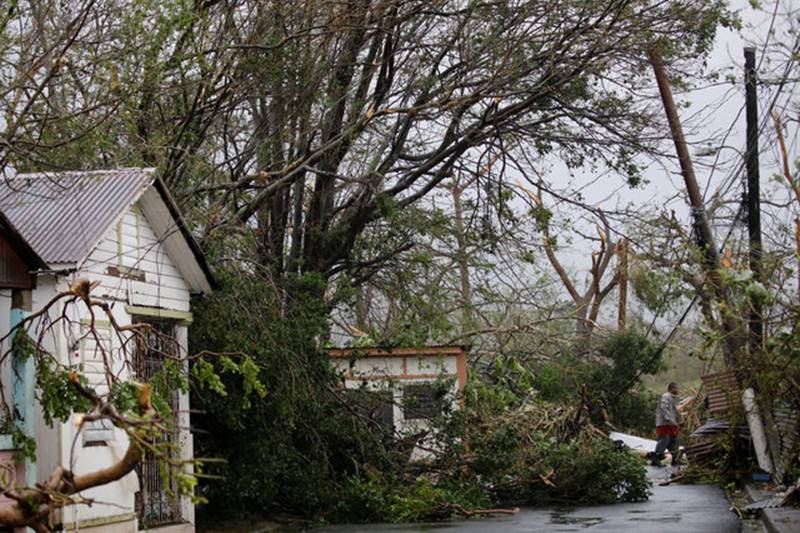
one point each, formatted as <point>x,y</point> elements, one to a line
<point>623,284</point>
<point>704,235</point>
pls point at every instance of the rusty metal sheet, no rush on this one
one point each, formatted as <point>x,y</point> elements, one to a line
<point>701,452</point>
<point>722,390</point>
<point>64,215</point>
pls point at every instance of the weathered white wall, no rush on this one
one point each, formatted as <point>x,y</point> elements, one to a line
<point>116,498</point>
<point>393,372</point>
<point>48,454</point>
<point>163,287</point>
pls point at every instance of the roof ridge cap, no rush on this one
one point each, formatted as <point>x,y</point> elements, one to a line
<point>46,174</point>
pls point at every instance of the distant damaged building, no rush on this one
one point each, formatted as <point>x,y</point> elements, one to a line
<point>400,390</point>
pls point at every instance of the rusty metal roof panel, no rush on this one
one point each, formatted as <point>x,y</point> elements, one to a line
<point>722,390</point>
<point>64,215</point>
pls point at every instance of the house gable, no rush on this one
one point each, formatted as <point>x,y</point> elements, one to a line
<point>159,208</point>
<point>133,265</point>
<point>65,215</point>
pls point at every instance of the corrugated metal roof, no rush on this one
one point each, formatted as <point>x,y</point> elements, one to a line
<point>64,215</point>
<point>377,351</point>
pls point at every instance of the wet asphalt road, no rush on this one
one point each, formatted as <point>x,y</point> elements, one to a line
<point>674,508</point>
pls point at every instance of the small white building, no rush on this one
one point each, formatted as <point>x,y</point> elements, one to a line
<point>122,229</point>
<point>405,384</point>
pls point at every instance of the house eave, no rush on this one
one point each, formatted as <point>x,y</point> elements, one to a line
<point>198,254</point>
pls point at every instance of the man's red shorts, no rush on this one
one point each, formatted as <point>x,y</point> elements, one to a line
<point>670,430</point>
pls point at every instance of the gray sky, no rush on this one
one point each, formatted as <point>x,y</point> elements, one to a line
<point>713,111</point>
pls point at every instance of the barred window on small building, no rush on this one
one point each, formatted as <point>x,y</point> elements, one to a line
<point>422,401</point>
<point>375,406</point>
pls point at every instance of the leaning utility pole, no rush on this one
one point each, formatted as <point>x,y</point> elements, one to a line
<point>702,229</point>
<point>705,238</point>
<point>753,196</point>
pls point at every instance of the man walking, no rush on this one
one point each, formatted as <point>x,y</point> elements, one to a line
<point>667,420</point>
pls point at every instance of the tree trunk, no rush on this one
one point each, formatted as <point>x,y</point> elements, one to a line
<point>622,314</point>
<point>462,258</point>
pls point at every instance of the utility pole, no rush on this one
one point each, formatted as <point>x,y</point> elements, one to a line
<point>753,196</point>
<point>702,228</point>
<point>705,237</point>
<point>769,442</point>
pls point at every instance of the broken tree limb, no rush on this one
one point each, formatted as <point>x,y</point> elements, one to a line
<point>460,509</point>
<point>793,186</point>
<point>33,505</point>
<point>672,480</point>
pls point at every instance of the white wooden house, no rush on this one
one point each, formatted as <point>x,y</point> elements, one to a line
<point>123,229</point>
<point>406,384</point>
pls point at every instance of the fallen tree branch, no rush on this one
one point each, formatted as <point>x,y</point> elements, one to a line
<point>460,509</point>
<point>33,505</point>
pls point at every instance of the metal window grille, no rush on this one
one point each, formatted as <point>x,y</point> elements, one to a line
<point>421,401</point>
<point>157,502</point>
<point>376,406</point>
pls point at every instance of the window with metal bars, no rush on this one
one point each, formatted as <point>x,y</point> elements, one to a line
<point>157,502</point>
<point>422,401</point>
<point>375,406</point>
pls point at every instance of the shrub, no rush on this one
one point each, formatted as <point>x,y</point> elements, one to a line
<point>303,449</point>
<point>609,381</point>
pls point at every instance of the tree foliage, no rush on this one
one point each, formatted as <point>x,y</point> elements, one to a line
<point>293,449</point>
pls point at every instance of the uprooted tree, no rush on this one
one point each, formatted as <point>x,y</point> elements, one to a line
<point>110,393</point>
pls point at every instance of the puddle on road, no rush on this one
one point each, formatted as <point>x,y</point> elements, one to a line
<point>667,519</point>
<point>563,517</point>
